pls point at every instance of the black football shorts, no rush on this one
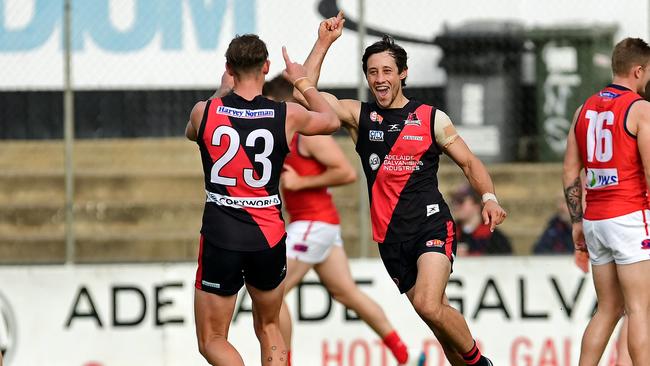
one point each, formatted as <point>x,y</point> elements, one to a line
<point>400,258</point>
<point>223,272</point>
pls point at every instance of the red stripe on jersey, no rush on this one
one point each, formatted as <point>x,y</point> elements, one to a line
<point>449,242</point>
<point>267,218</point>
<point>389,183</point>
<point>199,270</point>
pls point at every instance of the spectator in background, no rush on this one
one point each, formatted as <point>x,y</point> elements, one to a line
<point>556,238</point>
<point>474,236</point>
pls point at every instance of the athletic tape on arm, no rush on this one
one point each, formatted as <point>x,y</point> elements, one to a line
<point>444,130</point>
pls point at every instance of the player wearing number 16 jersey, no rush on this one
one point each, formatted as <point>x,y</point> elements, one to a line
<point>243,139</point>
<point>610,139</point>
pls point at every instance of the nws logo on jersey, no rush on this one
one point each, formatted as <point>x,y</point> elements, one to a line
<point>600,178</point>
<point>374,161</point>
<point>8,334</point>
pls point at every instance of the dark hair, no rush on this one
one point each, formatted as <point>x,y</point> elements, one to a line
<point>386,44</point>
<point>278,89</point>
<point>629,53</point>
<point>246,53</point>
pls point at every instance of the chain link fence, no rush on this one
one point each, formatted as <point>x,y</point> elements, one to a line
<point>509,73</point>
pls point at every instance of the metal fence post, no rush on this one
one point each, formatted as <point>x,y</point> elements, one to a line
<point>68,134</point>
<point>362,95</point>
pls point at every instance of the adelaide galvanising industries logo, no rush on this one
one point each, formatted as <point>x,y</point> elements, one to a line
<point>8,331</point>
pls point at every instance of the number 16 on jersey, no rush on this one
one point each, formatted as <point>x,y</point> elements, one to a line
<point>599,139</point>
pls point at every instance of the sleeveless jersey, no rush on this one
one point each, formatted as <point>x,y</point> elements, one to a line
<point>243,146</point>
<point>616,183</point>
<point>400,159</point>
<point>308,204</point>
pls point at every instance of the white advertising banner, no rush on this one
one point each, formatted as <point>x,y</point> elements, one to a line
<point>181,43</point>
<point>523,312</point>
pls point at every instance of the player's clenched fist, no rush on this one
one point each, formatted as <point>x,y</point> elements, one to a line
<point>331,29</point>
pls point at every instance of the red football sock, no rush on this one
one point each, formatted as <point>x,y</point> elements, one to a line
<point>289,357</point>
<point>397,347</point>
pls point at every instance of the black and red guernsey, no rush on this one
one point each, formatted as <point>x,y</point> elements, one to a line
<point>400,158</point>
<point>243,145</point>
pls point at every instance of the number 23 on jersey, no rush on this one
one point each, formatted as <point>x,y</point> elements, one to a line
<point>233,141</point>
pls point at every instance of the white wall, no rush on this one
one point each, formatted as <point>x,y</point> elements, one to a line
<point>518,309</point>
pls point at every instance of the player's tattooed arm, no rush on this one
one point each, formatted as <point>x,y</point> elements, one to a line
<point>571,174</point>
<point>573,196</point>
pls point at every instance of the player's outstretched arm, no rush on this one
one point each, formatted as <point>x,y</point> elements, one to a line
<point>193,125</point>
<point>476,173</point>
<point>325,150</point>
<point>321,119</point>
<point>329,30</point>
<point>573,185</point>
<point>347,110</point>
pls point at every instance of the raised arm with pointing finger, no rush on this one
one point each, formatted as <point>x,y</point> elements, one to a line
<point>320,119</point>
<point>329,31</point>
<point>390,95</point>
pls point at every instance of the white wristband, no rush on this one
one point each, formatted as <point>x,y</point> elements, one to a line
<point>489,197</point>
